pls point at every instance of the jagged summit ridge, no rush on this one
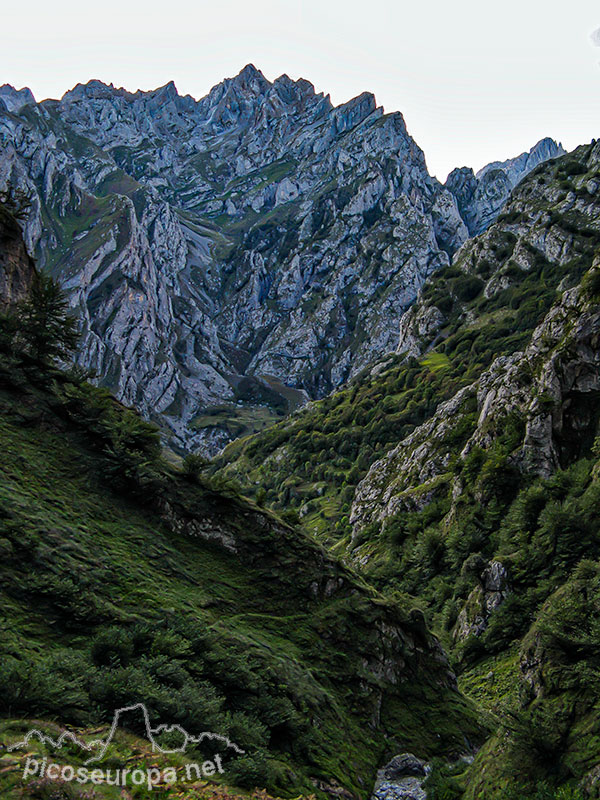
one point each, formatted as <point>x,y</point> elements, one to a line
<point>481,196</point>
<point>249,81</point>
<point>246,100</point>
<point>14,99</point>
<point>517,168</point>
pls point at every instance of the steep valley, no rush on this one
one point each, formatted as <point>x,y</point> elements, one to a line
<point>388,575</point>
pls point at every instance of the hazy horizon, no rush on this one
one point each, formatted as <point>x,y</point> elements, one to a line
<point>474,84</point>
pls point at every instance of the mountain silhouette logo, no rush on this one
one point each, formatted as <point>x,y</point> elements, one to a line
<point>98,747</point>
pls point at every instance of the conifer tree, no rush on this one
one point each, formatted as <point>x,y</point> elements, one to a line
<point>47,329</point>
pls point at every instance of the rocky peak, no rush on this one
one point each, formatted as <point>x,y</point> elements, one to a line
<point>94,90</point>
<point>481,197</point>
<point>516,168</point>
<point>236,99</point>
<point>295,94</point>
<point>14,99</point>
<point>463,185</point>
<point>354,111</point>
<point>249,98</point>
<point>250,78</point>
<point>167,92</point>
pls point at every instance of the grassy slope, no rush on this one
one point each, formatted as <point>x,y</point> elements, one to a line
<point>105,603</point>
<point>549,731</point>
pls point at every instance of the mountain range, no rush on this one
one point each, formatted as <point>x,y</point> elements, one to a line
<point>233,257</point>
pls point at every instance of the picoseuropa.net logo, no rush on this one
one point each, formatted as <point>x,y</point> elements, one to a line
<point>164,739</point>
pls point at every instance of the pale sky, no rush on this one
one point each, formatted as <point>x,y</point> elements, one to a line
<point>476,80</point>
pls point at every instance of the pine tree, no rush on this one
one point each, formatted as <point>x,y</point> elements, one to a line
<point>46,328</point>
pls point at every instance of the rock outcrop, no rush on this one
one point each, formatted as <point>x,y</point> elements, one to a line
<point>488,596</point>
<point>402,779</point>
<point>17,270</point>
<point>14,99</point>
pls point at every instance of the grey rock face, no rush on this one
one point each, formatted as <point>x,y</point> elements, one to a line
<point>14,99</point>
<point>257,232</point>
<point>481,197</point>
<point>517,168</point>
<point>482,602</point>
<point>404,765</point>
<point>402,779</point>
<point>17,270</point>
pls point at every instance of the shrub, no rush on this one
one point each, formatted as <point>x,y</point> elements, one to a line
<point>111,647</point>
<point>473,566</point>
<point>467,287</point>
<point>132,449</point>
<point>441,783</point>
<point>591,285</point>
<point>42,687</point>
<point>193,465</point>
<point>538,736</point>
<point>290,515</point>
<point>250,771</point>
<point>569,166</point>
